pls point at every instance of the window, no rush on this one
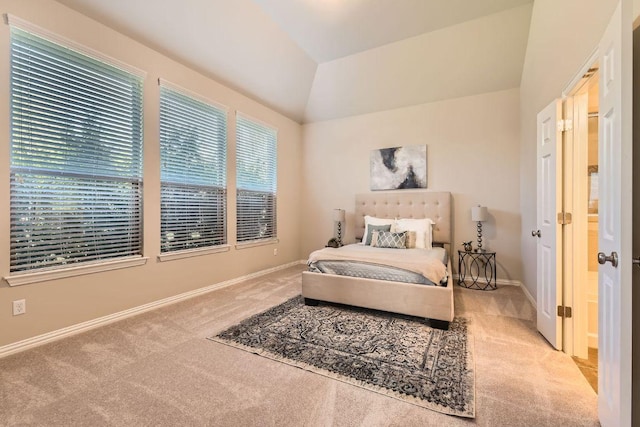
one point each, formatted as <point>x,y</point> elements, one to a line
<point>193,155</point>
<point>256,170</point>
<point>76,156</point>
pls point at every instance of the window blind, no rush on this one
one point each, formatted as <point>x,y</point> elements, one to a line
<point>256,177</point>
<point>76,157</point>
<point>193,152</point>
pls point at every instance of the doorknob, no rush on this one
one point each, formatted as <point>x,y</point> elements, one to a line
<point>636,261</point>
<point>536,233</point>
<point>613,258</point>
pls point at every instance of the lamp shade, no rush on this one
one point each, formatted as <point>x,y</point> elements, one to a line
<point>338,215</point>
<point>479,213</point>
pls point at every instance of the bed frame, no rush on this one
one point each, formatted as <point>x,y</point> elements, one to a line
<point>432,302</point>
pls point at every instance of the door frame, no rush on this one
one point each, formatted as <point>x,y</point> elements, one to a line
<point>575,329</point>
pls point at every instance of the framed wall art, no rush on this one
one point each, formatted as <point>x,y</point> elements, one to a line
<point>399,168</point>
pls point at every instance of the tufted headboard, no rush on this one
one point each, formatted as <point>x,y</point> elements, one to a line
<point>425,204</point>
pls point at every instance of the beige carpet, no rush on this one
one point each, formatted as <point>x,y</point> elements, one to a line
<point>158,369</point>
<point>395,355</point>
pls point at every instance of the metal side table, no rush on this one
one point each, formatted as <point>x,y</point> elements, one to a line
<point>477,270</point>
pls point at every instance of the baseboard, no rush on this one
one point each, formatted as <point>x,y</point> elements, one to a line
<point>529,297</point>
<point>58,334</point>
<point>499,282</point>
<point>507,282</point>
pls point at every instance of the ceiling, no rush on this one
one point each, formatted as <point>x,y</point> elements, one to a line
<point>323,59</point>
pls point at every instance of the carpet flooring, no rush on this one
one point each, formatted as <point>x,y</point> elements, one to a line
<point>159,369</point>
<point>398,356</point>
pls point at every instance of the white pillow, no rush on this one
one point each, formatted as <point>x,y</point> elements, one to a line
<point>422,227</point>
<point>376,221</point>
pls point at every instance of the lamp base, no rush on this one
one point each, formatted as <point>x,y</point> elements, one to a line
<point>479,249</point>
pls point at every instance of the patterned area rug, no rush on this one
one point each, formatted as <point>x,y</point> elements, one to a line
<point>398,356</point>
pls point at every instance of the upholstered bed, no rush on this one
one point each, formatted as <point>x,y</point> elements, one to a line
<point>432,302</point>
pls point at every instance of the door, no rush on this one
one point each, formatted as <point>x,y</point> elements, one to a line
<point>549,232</point>
<point>615,223</point>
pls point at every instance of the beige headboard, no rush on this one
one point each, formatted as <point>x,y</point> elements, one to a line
<point>401,204</point>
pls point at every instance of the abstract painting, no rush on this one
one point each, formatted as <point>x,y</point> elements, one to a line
<point>399,168</point>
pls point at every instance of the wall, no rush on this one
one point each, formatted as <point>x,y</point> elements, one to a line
<point>59,303</point>
<point>561,38</point>
<point>472,151</point>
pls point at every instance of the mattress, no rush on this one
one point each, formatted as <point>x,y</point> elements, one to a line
<point>416,266</point>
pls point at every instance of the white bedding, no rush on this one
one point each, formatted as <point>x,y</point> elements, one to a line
<point>427,262</point>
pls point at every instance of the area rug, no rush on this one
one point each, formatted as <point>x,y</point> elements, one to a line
<point>395,355</point>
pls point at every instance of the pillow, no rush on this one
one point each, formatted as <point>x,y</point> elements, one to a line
<point>387,239</point>
<point>374,238</point>
<point>410,242</point>
<point>422,227</point>
<point>371,220</point>
<point>373,228</point>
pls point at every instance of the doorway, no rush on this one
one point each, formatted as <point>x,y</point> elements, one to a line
<point>580,235</point>
<point>561,281</point>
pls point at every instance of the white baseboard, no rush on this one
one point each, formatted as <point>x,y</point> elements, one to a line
<point>506,282</point>
<point>58,334</point>
<point>529,296</point>
<point>499,282</point>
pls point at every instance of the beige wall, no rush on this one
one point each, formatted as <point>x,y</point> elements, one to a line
<point>472,151</point>
<point>561,38</point>
<point>56,304</point>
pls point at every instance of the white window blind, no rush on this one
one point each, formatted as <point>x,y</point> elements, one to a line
<point>76,157</point>
<point>256,175</point>
<point>193,152</point>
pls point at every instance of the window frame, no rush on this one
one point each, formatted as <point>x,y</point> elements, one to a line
<point>222,110</point>
<point>242,243</point>
<point>31,274</point>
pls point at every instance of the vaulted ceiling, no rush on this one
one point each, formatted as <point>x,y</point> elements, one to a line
<point>316,60</point>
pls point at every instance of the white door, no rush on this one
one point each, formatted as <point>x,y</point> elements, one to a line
<point>549,232</point>
<point>615,224</point>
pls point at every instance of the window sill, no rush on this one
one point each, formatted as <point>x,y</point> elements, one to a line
<point>254,243</point>
<point>189,253</point>
<point>26,278</point>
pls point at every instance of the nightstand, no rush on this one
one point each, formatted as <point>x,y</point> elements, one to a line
<point>477,270</point>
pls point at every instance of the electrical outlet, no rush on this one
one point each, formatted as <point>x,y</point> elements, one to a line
<point>19,307</point>
<point>275,252</point>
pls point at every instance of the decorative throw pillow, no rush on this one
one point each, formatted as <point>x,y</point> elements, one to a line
<point>387,239</point>
<point>374,238</point>
<point>422,227</point>
<point>372,220</point>
<point>410,242</point>
<point>372,228</point>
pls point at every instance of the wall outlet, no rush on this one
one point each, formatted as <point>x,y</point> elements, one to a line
<point>275,252</point>
<point>19,307</point>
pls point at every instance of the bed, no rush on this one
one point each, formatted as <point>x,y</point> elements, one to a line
<point>434,302</point>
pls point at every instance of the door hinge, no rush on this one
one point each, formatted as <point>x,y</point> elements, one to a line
<point>565,125</point>
<point>564,312</point>
<point>564,218</point>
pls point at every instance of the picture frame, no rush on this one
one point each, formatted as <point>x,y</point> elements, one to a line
<point>398,168</point>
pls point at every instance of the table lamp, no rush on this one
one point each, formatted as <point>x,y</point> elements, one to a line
<point>339,217</point>
<point>479,214</point>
